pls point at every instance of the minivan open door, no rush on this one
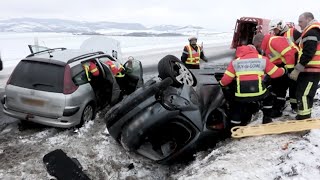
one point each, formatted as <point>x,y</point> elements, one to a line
<point>134,69</point>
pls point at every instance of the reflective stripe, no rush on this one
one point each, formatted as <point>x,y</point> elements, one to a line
<point>94,70</point>
<point>250,73</point>
<point>313,62</point>
<point>305,101</point>
<point>289,66</point>
<point>309,38</point>
<point>272,70</point>
<point>276,55</point>
<point>191,59</point>
<point>283,52</point>
<point>120,74</point>
<point>281,98</point>
<point>185,52</point>
<point>251,94</point>
<point>304,112</point>
<point>298,40</point>
<point>292,100</point>
<point>267,107</point>
<point>235,122</point>
<point>86,69</point>
<point>230,74</point>
<point>291,38</point>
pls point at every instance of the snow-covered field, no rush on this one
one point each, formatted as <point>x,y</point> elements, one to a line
<point>14,46</point>
<point>286,156</point>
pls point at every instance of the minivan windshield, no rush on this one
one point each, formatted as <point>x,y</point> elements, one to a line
<point>38,76</point>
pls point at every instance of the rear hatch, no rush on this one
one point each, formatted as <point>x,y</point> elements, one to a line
<point>36,88</point>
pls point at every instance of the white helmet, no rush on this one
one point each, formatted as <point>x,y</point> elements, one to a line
<point>276,23</point>
<point>192,37</point>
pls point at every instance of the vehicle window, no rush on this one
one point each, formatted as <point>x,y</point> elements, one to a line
<point>39,76</point>
<point>79,76</point>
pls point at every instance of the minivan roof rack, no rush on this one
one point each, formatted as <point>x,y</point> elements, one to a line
<point>84,56</point>
<point>47,50</point>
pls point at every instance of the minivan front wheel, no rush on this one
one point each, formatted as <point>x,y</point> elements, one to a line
<point>87,114</point>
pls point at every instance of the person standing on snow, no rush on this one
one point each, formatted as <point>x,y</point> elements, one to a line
<point>192,53</point>
<point>307,70</point>
<point>281,53</point>
<point>249,69</point>
<point>280,28</point>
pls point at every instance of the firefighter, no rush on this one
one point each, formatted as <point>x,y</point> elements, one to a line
<point>307,70</point>
<point>281,53</point>
<point>91,69</point>
<point>116,68</point>
<point>126,82</point>
<point>249,70</point>
<point>192,53</point>
<point>280,28</point>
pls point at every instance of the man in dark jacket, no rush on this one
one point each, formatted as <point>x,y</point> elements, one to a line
<point>307,70</point>
<point>192,53</point>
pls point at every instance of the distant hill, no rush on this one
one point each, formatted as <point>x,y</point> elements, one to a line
<point>60,25</point>
<point>82,27</point>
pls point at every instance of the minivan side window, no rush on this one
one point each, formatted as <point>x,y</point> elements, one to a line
<point>79,76</point>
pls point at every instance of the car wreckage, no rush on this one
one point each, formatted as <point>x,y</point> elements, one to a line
<point>167,119</point>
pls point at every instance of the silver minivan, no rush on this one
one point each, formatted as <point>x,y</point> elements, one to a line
<point>50,87</point>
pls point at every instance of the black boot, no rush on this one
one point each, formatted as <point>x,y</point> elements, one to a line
<point>266,120</point>
<point>275,113</point>
<point>301,117</point>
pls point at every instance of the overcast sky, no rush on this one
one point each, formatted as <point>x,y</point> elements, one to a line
<point>219,15</point>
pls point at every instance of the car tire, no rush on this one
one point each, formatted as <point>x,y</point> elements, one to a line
<point>171,66</point>
<point>87,115</point>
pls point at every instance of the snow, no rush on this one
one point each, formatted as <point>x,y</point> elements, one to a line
<point>283,156</point>
<point>14,46</point>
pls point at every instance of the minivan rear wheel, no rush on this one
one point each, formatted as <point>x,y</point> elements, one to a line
<point>87,114</point>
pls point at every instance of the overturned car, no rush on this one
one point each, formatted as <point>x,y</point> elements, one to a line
<point>168,119</point>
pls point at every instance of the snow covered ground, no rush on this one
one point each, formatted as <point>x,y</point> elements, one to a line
<point>285,156</point>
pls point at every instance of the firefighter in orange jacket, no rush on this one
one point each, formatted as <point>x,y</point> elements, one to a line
<point>116,68</point>
<point>249,71</point>
<point>280,28</point>
<point>91,69</point>
<point>281,53</point>
<point>192,53</point>
<point>307,70</point>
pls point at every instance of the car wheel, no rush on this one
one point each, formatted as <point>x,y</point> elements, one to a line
<point>87,114</point>
<point>171,66</point>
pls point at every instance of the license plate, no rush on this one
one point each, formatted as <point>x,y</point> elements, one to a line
<point>33,102</point>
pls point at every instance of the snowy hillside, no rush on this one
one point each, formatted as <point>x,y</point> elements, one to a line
<point>107,28</point>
